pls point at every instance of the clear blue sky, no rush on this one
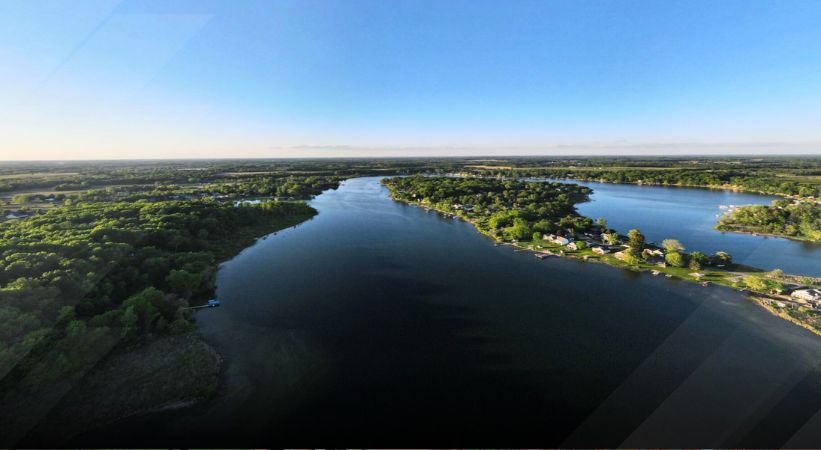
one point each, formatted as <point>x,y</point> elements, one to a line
<point>146,79</point>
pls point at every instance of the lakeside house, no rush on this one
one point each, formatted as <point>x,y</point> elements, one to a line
<point>653,252</point>
<point>238,203</point>
<point>572,246</point>
<point>811,296</point>
<point>600,250</point>
<point>697,275</point>
<point>15,216</point>
<point>560,240</point>
<point>656,260</point>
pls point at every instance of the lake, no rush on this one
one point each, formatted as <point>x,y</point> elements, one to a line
<point>690,215</point>
<point>382,323</point>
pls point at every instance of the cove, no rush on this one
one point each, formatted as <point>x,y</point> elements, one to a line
<point>690,215</point>
<point>382,322</point>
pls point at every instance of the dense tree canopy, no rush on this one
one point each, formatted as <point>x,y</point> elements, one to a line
<point>86,276</point>
<point>799,220</point>
<point>512,209</point>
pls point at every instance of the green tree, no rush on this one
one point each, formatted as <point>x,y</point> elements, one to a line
<point>635,240</point>
<point>675,259</point>
<point>697,260</point>
<point>672,245</point>
<point>755,283</point>
<point>631,259</point>
<point>519,230</point>
<point>722,258</point>
<point>183,282</point>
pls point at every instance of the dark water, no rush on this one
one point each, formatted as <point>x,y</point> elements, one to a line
<point>689,215</point>
<point>379,324</point>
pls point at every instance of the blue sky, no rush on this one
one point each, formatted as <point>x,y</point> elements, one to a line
<point>149,79</point>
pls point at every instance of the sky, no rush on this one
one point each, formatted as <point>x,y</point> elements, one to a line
<point>227,79</point>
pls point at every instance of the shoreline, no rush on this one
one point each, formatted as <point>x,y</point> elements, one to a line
<point>712,276</point>
<point>712,187</point>
<point>757,233</point>
<point>209,365</point>
<point>731,188</point>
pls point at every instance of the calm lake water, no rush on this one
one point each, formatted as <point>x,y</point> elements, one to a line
<point>689,215</point>
<point>383,323</point>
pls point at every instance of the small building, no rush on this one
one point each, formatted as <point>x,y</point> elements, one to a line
<point>572,246</point>
<point>559,240</point>
<point>657,260</point>
<point>600,250</point>
<point>653,252</point>
<point>238,203</point>
<point>697,275</point>
<point>811,295</point>
<point>15,216</point>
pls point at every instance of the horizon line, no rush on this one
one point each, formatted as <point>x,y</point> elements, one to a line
<point>480,156</point>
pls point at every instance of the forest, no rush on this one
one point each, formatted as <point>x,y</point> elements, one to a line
<point>76,279</point>
<point>107,271</point>
<point>795,220</point>
<point>513,209</point>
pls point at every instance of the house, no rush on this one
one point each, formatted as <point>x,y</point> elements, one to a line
<point>600,250</point>
<point>238,203</point>
<point>15,216</point>
<point>560,240</point>
<point>572,246</point>
<point>657,260</point>
<point>697,275</point>
<point>619,255</point>
<point>653,252</point>
<point>812,295</point>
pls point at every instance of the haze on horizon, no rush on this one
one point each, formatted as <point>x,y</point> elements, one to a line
<point>153,79</point>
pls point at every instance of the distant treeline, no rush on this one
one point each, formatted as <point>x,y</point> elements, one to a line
<point>800,220</point>
<point>714,178</point>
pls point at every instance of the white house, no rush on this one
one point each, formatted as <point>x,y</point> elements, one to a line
<point>808,295</point>
<point>560,240</point>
